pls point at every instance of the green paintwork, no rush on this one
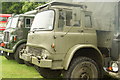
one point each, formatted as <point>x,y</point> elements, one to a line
<point>71,52</point>
<point>6,50</point>
<point>20,30</point>
<point>19,43</point>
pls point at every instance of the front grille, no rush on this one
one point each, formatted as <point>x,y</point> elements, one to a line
<point>35,51</point>
<point>6,36</point>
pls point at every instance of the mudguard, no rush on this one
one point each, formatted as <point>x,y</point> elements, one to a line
<point>19,43</point>
<point>72,51</point>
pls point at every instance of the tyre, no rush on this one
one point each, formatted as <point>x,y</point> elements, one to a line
<point>48,73</point>
<point>82,68</point>
<point>17,54</point>
<point>28,63</point>
<point>8,57</point>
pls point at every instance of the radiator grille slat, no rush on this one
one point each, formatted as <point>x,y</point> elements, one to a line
<point>35,51</point>
<point>6,36</point>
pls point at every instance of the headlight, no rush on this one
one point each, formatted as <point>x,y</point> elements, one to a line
<point>115,67</point>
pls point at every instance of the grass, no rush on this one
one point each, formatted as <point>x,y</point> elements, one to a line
<point>11,69</point>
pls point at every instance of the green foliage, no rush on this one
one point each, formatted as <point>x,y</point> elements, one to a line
<point>12,7</point>
<point>30,6</point>
<point>19,7</point>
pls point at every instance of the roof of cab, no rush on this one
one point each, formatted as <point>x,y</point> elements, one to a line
<point>60,3</point>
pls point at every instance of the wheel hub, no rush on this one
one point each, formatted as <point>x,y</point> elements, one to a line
<point>85,76</point>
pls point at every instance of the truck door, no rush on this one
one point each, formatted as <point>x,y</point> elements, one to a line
<point>89,31</point>
<point>70,31</point>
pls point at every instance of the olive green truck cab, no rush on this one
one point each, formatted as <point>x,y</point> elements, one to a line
<point>63,40</point>
<point>15,36</point>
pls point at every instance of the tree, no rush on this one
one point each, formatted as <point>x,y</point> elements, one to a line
<point>19,7</point>
<point>12,7</point>
<point>28,6</point>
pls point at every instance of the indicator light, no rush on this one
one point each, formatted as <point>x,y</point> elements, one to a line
<point>15,38</point>
<point>110,68</point>
<point>2,44</point>
<point>53,45</point>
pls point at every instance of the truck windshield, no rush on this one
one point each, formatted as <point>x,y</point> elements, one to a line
<point>43,21</point>
<point>12,22</point>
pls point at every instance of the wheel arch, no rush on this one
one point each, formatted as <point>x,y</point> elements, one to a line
<point>18,44</point>
<point>90,51</point>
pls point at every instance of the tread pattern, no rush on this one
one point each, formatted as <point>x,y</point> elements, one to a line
<point>16,55</point>
<point>67,74</point>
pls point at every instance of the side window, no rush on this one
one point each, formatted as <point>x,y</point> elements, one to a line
<point>61,21</point>
<point>68,18</point>
<point>88,22</point>
<point>28,22</point>
<point>70,21</point>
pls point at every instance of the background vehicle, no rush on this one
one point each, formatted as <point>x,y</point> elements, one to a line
<point>15,36</point>
<point>3,23</point>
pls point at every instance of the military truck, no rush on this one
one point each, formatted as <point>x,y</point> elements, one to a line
<point>77,45</point>
<point>63,40</point>
<point>15,36</point>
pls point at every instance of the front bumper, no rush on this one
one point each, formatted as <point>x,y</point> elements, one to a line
<point>46,63</point>
<point>6,50</point>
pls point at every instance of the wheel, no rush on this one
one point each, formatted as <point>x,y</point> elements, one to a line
<point>28,63</point>
<point>9,56</point>
<point>48,73</point>
<point>82,68</point>
<point>17,54</point>
<point>108,77</point>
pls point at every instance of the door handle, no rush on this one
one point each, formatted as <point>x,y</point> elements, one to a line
<point>117,40</point>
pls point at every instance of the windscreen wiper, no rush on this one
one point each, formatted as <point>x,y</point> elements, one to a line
<point>36,29</point>
<point>40,28</point>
